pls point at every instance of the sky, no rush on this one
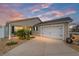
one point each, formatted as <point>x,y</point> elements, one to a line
<point>45,11</point>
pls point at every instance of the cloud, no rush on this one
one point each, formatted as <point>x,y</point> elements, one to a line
<point>45,5</point>
<point>51,15</point>
<point>34,10</point>
<point>14,14</point>
<point>57,14</point>
<point>39,6</point>
<point>9,14</point>
<point>70,11</point>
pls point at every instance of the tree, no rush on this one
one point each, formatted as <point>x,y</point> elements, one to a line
<point>75,29</point>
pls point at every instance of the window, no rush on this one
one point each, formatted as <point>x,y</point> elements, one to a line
<point>12,29</point>
<point>35,28</point>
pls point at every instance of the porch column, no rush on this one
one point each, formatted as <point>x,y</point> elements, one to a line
<point>9,31</point>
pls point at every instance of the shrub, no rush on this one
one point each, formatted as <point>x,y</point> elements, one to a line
<point>21,34</point>
<point>28,34</point>
<point>11,43</point>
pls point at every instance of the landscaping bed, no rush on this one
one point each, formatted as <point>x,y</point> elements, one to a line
<point>75,45</point>
<point>6,44</point>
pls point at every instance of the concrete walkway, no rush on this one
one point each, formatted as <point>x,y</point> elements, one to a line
<point>41,46</point>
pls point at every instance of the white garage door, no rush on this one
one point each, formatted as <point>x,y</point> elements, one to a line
<point>53,31</point>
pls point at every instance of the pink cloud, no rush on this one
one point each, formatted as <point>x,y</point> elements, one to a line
<point>57,13</point>
<point>14,15</point>
<point>70,11</point>
<point>8,14</point>
<point>40,6</point>
<point>35,9</point>
<point>45,5</point>
<point>51,15</point>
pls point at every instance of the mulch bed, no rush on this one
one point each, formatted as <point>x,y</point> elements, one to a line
<point>5,48</point>
<point>74,45</point>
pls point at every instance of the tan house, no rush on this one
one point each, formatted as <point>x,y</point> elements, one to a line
<point>57,28</point>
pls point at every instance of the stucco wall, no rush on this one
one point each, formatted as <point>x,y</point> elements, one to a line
<point>2,32</point>
<point>66,30</point>
<point>6,31</point>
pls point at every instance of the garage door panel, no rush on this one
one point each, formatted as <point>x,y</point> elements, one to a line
<point>52,31</point>
<point>55,32</point>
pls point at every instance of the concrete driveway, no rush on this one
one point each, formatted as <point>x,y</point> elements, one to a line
<point>42,46</point>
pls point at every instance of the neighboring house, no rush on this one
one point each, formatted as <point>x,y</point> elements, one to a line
<point>2,30</point>
<point>57,28</point>
<point>74,29</point>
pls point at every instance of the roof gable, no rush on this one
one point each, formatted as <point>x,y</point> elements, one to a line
<point>28,22</point>
<point>25,20</point>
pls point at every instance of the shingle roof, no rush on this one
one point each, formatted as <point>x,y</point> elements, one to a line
<point>65,19</point>
<point>25,20</point>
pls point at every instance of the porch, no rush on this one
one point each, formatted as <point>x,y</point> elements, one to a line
<point>27,24</point>
<point>15,29</point>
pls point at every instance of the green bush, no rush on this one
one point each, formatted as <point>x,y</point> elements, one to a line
<point>30,32</point>
<point>27,34</point>
<point>11,43</point>
<point>21,34</point>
